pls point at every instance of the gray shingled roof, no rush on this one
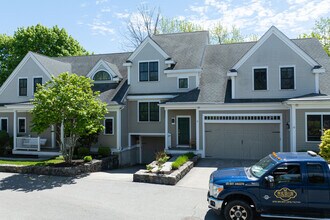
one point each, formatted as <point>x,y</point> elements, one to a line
<point>186,49</point>
<point>53,66</point>
<point>82,65</point>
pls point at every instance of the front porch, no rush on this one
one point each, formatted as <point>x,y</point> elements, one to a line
<point>34,146</point>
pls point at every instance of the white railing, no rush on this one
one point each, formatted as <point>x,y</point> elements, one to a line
<point>29,143</point>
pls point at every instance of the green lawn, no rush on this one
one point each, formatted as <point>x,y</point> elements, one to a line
<point>33,162</point>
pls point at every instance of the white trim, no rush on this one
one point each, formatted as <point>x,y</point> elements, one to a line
<point>177,129</point>
<point>197,130</point>
<point>282,37</point>
<point>148,61</point>
<point>143,44</point>
<point>15,129</point>
<point>233,87</point>
<point>319,71</point>
<point>294,77</point>
<point>113,128</point>
<point>314,113</point>
<point>36,77</point>
<point>293,129</point>
<point>105,68</point>
<point>27,90</point>
<point>19,67</point>
<point>166,129</point>
<point>129,75</point>
<point>118,120</point>
<point>129,64</point>
<point>149,97</point>
<point>317,82</point>
<point>178,82</point>
<point>138,110</point>
<point>232,74</point>
<point>262,121</point>
<point>182,74</point>
<point>18,119</point>
<point>260,67</point>
<point>4,118</point>
<point>191,71</point>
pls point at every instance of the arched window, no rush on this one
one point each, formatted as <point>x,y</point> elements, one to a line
<point>101,75</point>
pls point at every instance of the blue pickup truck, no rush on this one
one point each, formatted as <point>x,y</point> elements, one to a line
<point>281,185</point>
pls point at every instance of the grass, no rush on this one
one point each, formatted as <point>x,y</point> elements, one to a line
<point>181,160</point>
<point>56,160</point>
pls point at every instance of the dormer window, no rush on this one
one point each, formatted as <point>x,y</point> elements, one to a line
<point>101,76</point>
<point>148,71</point>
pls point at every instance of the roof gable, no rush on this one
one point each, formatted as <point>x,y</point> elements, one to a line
<point>274,31</point>
<point>109,67</point>
<point>150,41</point>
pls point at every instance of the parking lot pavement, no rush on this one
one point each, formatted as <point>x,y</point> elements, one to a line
<point>199,176</point>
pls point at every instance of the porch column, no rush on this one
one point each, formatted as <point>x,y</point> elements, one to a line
<point>197,128</point>
<point>166,129</point>
<point>293,132</point>
<point>15,129</point>
<point>119,129</point>
<point>53,136</point>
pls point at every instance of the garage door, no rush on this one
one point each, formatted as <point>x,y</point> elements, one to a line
<point>241,140</point>
<point>150,146</point>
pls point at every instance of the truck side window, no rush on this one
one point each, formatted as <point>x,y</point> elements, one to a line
<point>287,174</point>
<point>315,174</point>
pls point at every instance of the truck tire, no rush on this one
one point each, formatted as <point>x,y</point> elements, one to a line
<point>238,210</point>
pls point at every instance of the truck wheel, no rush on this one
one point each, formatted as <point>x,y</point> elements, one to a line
<point>238,210</point>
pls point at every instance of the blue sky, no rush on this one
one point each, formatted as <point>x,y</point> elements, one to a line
<point>99,25</point>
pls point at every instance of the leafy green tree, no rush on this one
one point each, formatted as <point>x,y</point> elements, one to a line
<point>70,101</point>
<point>321,31</point>
<point>221,35</point>
<point>53,41</point>
<point>325,145</point>
<point>168,25</point>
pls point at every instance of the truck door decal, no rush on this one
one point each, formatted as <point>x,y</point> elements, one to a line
<point>285,195</point>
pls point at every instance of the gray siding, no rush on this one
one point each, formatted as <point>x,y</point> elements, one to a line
<point>109,140</point>
<point>172,128</point>
<point>285,118</point>
<point>302,144</point>
<point>273,54</point>
<point>164,85</point>
<point>29,70</point>
<point>143,127</point>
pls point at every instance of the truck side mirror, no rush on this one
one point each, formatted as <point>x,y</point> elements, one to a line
<point>270,180</point>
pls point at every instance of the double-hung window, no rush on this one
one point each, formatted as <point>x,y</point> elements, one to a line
<point>260,78</point>
<point>22,87</point>
<point>148,71</point>
<point>183,83</point>
<point>287,77</point>
<point>36,81</point>
<point>108,124</point>
<point>21,125</point>
<point>3,124</point>
<point>316,124</point>
<point>148,111</point>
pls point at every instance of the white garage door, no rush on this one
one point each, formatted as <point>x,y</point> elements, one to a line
<point>245,140</point>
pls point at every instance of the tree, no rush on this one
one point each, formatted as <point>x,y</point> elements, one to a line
<point>321,31</point>
<point>221,35</point>
<point>70,101</point>
<point>53,41</point>
<point>325,145</point>
<point>174,25</point>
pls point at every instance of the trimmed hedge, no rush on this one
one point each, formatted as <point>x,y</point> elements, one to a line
<point>88,158</point>
<point>104,151</point>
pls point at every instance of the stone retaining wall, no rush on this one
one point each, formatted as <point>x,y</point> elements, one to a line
<point>93,166</point>
<point>165,179</point>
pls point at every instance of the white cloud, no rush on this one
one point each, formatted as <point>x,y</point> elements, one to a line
<point>83,5</point>
<point>101,28</point>
<point>105,10</point>
<point>98,2</point>
<point>121,15</point>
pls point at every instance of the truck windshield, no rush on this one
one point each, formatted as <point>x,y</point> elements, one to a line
<point>262,166</point>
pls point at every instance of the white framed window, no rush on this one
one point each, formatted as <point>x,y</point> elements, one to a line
<point>287,77</point>
<point>22,86</point>
<point>183,82</point>
<point>102,75</point>
<point>316,124</point>
<point>3,124</point>
<point>260,78</point>
<point>21,125</point>
<point>109,125</point>
<point>148,71</point>
<point>36,80</point>
<point>148,111</point>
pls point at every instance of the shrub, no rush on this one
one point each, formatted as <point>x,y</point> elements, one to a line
<point>161,158</point>
<point>88,158</point>
<point>4,138</point>
<point>104,151</point>
<point>325,145</point>
<point>149,167</point>
<point>82,152</point>
<point>190,155</point>
<point>179,161</point>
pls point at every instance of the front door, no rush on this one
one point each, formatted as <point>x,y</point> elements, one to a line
<point>287,192</point>
<point>183,130</point>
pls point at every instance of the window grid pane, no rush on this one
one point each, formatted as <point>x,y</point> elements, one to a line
<point>21,125</point>
<point>260,79</point>
<point>154,111</point>
<point>183,83</point>
<point>22,87</point>
<point>108,126</point>
<point>153,71</point>
<point>287,78</point>
<point>36,81</point>
<point>314,128</point>
<point>101,75</point>
<point>143,111</point>
<point>4,124</point>
<point>143,68</point>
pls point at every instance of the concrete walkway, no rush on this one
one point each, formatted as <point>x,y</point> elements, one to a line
<point>199,176</point>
